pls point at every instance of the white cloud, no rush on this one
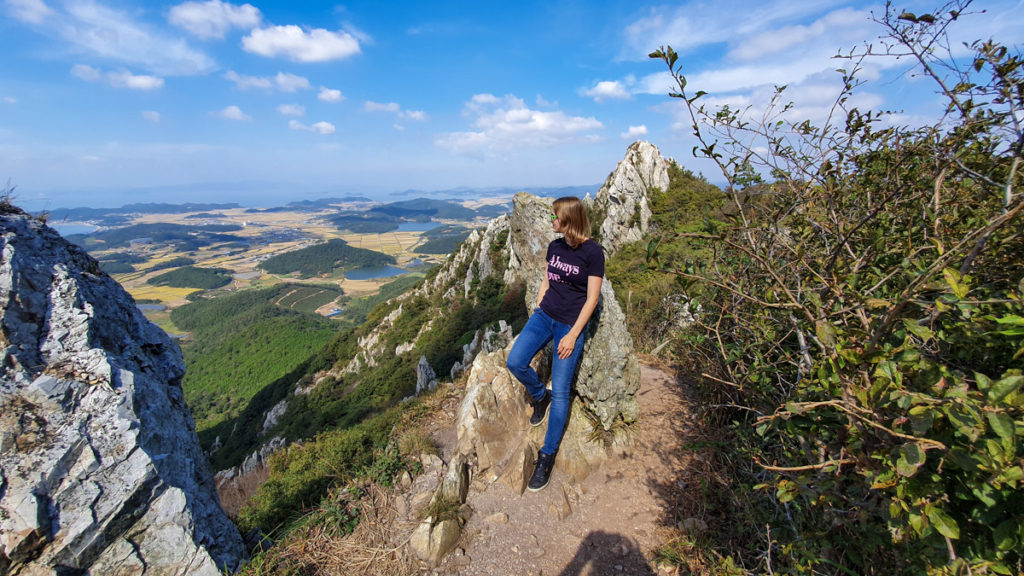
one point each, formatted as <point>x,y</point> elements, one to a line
<point>693,24</point>
<point>233,113</point>
<point>329,95</point>
<point>85,72</point>
<point>634,132</point>
<point>838,28</point>
<point>151,116</point>
<point>481,99</point>
<point>506,123</point>
<point>290,82</point>
<point>31,11</point>
<point>213,19</point>
<point>111,34</point>
<point>9,100</point>
<point>247,82</point>
<point>371,106</point>
<point>291,110</point>
<point>323,127</point>
<point>607,90</point>
<point>124,79</point>
<point>394,108</point>
<point>777,51</point>
<point>119,79</point>
<point>294,43</point>
<point>284,82</point>
<point>318,127</point>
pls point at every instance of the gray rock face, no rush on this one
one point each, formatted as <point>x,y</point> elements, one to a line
<point>100,467</point>
<point>530,232</point>
<point>609,374</point>
<point>624,197</point>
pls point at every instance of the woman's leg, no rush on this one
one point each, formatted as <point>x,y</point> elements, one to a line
<point>562,373</point>
<point>535,335</point>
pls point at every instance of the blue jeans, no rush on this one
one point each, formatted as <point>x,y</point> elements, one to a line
<point>539,330</point>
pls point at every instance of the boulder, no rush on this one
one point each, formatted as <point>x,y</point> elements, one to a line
<point>101,467</point>
<point>609,374</point>
<point>493,416</point>
<point>455,484</point>
<point>431,540</point>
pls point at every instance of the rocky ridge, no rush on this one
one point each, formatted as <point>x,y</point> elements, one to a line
<point>100,466</point>
<point>493,434</point>
<point>492,442</point>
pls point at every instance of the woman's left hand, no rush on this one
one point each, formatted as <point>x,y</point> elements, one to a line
<point>566,346</point>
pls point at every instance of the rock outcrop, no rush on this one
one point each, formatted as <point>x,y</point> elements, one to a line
<point>100,468</point>
<point>609,375</point>
<point>492,420</point>
<point>426,378</point>
<point>487,341</point>
<point>623,201</point>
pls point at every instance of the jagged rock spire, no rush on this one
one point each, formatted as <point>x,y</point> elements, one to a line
<point>623,201</point>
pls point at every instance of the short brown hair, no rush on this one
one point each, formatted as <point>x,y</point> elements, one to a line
<point>573,218</point>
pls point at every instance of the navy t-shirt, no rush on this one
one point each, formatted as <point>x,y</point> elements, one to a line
<point>568,272</point>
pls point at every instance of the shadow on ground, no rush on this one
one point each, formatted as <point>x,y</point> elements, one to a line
<point>692,493</point>
<point>607,553</point>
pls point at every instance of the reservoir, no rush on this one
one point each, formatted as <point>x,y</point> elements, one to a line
<point>376,272</point>
<point>417,226</point>
<point>151,307</point>
<point>69,228</point>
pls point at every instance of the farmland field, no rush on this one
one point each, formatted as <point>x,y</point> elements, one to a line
<point>263,234</point>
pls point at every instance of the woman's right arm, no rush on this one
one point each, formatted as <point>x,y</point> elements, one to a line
<point>543,289</point>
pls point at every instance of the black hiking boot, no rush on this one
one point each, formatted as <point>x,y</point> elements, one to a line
<point>541,471</point>
<point>540,409</point>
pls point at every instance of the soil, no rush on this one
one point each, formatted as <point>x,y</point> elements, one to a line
<point>612,522</point>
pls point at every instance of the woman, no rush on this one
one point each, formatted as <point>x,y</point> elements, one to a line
<point>568,296</point>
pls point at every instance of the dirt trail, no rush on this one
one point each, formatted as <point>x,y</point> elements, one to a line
<point>617,516</point>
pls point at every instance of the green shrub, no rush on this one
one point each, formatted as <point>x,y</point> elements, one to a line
<point>865,320</point>
<point>302,475</point>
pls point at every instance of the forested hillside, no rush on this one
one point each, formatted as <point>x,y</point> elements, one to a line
<point>324,258</point>
<point>858,324</point>
<point>241,343</point>
<point>193,277</point>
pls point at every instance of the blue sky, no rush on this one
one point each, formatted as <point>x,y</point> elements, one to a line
<point>106,102</point>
